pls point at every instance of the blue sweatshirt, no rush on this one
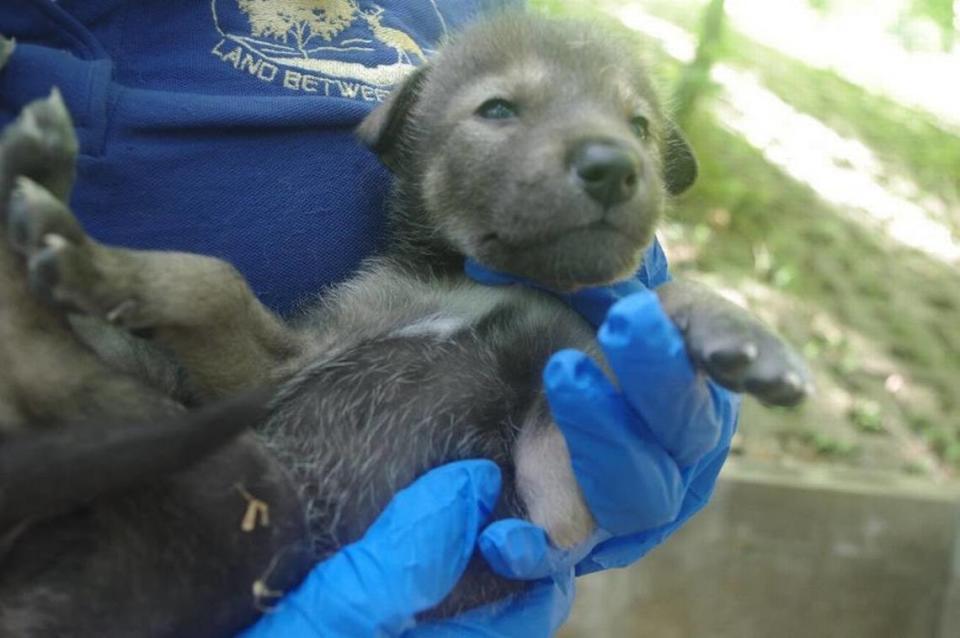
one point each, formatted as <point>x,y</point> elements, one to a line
<point>225,127</point>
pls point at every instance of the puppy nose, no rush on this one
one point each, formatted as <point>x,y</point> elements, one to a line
<point>607,171</point>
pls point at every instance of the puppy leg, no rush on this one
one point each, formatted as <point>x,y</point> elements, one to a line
<point>198,306</point>
<point>547,485</point>
<point>733,347</point>
<point>46,376</point>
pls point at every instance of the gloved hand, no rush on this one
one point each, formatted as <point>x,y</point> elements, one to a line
<point>408,561</point>
<point>646,454</point>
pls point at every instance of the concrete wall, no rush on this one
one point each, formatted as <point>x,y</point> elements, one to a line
<point>781,554</point>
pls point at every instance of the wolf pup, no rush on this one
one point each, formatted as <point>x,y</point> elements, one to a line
<point>534,147</point>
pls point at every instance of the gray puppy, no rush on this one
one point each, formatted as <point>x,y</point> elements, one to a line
<point>534,147</point>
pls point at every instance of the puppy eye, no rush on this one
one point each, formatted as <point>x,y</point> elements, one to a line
<point>641,126</point>
<point>497,109</point>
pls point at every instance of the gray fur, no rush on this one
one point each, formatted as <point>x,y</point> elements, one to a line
<point>410,365</point>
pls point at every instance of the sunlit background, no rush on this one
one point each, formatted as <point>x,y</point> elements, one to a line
<point>829,203</point>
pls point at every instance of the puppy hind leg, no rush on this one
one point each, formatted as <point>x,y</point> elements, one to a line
<point>549,496</point>
<point>547,485</point>
<point>46,375</point>
<point>198,306</point>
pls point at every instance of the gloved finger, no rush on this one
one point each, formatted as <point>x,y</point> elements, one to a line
<point>647,354</point>
<point>517,549</point>
<point>629,481</point>
<point>700,480</point>
<point>703,476</point>
<point>533,614</point>
<point>626,550</point>
<point>408,560</point>
<point>520,550</point>
<point>593,304</point>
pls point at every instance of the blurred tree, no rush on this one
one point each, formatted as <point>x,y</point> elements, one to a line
<point>695,79</point>
<point>942,12</point>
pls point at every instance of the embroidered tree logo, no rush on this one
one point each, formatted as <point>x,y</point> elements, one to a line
<point>301,20</point>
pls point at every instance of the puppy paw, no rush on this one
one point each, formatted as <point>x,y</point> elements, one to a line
<point>60,260</point>
<point>742,354</point>
<point>39,144</point>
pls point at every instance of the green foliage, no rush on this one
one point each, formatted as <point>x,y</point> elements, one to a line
<point>908,142</point>
<point>695,79</point>
<point>829,447</point>
<point>940,11</point>
<point>567,8</point>
<point>867,416</point>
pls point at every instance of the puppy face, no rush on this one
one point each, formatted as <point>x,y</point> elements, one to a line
<point>537,148</point>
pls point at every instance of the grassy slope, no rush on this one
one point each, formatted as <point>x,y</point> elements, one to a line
<point>897,311</point>
<point>908,142</point>
<point>863,308</point>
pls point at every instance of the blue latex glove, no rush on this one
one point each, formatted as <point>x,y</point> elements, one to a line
<point>408,561</point>
<point>646,454</point>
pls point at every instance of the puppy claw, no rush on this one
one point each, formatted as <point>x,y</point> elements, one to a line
<point>788,389</point>
<point>793,382</point>
<point>7,45</point>
<point>44,273</point>
<point>55,242</point>
<point>29,125</point>
<point>118,313</point>
<point>734,358</point>
<point>262,594</point>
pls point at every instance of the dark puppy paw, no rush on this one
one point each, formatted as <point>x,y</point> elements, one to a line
<point>733,347</point>
<point>64,266</point>
<point>742,354</point>
<point>60,261</point>
<point>40,144</point>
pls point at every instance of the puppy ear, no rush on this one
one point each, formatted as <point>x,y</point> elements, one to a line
<point>679,163</point>
<point>382,129</point>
